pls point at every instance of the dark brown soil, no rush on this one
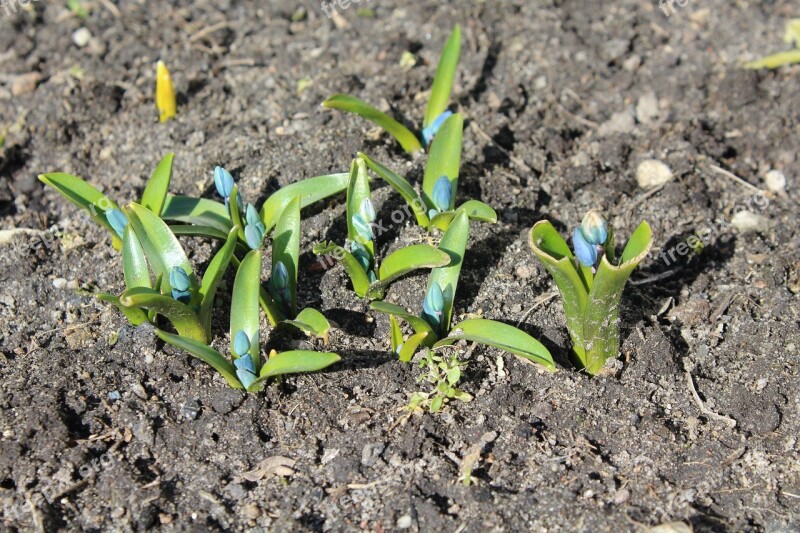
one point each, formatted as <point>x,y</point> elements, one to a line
<point>542,85</point>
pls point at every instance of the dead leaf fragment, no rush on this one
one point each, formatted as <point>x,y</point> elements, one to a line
<point>276,465</point>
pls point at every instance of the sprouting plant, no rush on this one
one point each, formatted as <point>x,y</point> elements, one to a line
<point>245,369</point>
<point>104,210</point>
<point>590,282</point>
<point>358,257</point>
<point>78,8</point>
<point>435,114</point>
<point>442,372</point>
<point>176,293</point>
<point>435,207</point>
<point>165,93</point>
<point>791,37</point>
<point>432,328</point>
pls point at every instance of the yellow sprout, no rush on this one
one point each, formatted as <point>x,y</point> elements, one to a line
<point>165,93</point>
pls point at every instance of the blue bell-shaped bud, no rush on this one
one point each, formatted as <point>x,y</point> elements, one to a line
<point>363,228</point>
<point>367,210</point>
<point>594,228</point>
<point>585,251</point>
<point>245,370</point>
<point>254,236</point>
<point>280,276</point>
<point>183,297</point>
<point>223,181</point>
<point>433,128</point>
<point>251,216</point>
<point>442,194</point>
<point>433,305</point>
<point>117,220</point>
<point>179,279</point>
<point>241,344</point>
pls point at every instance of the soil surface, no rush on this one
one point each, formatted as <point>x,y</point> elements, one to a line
<point>104,428</point>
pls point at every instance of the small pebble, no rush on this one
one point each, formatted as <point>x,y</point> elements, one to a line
<point>73,284</point>
<point>652,173</point>
<point>748,222</point>
<point>775,181</point>
<point>252,511</point>
<point>119,512</point>
<point>647,108</point>
<point>114,395</point>
<point>404,522</point>
<point>25,83</point>
<point>621,122</point>
<point>59,283</point>
<point>523,272</point>
<point>81,37</point>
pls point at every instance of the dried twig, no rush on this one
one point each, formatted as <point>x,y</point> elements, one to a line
<point>735,178</point>
<point>705,410</point>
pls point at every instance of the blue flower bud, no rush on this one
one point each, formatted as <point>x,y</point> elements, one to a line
<point>442,194</point>
<point>183,297</point>
<point>251,215</point>
<point>241,345</point>
<point>117,220</point>
<point>585,251</point>
<point>433,128</point>
<point>254,236</point>
<point>361,254</point>
<point>280,276</point>
<point>363,228</point>
<point>223,182</point>
<point>245,362</point>
<point>179,279</point>
<point>367,210</point>
<point>433,305</point>
<point>594,228</point>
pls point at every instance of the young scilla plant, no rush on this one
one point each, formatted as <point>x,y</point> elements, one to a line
<point>590,282</point>
<point>245,369</point>
<point>359,261</point>
<point>435,207</point>
<point>432,329</point>
<point>435,114</point>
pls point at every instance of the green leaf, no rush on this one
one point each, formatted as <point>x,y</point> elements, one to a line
<point>311,322</point>
<point>197,212</point>
<point>134,264</point>
<point>351,265</point>
<point>185,321</point>
<point>236,211</point>
<point>186,230</point>
<point>213,276</point>
<point>155,193</point>
<point>405,260</point>
<point>244,303</point>
<point>296,361</point>
<point>475,209</point>
<point>774,61</point>
<point>552,250</point>
<point>402,186</point>
<point>85,196</point>
<point>454,243</point>
<point>600,321</point>
<point>274,314</point>
<point>396,334</point>
<point>310,191</point>
<point>357,192</point>
<point>286,247</point>
<point>410,346</point>
<point>407,139</point>
<point>436,404</point>
<point>204,353</point>
<point>135,315</point>
<point>161,247</point>
<point>417,324</point>
<point>502,336</point>
<point>445,73</point>
<point>444,158</point>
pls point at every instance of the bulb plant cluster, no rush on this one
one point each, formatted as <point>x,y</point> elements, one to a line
<point>164,288</point>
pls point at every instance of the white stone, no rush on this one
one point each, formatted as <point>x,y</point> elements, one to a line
<point>748,222</point>
<point>652,173</point>
<point>404,522</point>
<point>775,181</point>
<point>81,37</point>
<point>59,283</point>
<point>621,122</point>
<point>647,108</point>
